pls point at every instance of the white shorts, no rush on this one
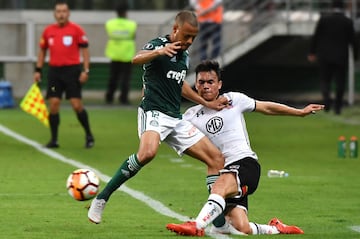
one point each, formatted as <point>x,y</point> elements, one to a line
<point>177,133</point>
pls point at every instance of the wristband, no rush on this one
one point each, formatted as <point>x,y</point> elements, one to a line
<point>86,71</point>
<point>38,69</point>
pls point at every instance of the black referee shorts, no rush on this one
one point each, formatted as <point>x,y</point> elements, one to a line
<point>64,79</point>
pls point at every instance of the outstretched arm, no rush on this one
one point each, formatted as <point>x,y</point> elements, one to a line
<point>273,108</point>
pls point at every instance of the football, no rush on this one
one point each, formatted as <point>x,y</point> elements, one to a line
<point>83,184</point>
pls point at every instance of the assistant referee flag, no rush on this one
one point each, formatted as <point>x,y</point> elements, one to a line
<point>34,104</point>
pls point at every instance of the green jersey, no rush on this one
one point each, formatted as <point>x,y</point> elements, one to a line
<point>163,79</point>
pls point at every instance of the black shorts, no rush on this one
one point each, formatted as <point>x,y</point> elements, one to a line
<point>248,170</point>
<point>64,79</point>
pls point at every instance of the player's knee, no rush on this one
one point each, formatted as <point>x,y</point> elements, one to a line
<point>145,156</point>
<point>54,107</point>
<point>244,228</point>
<point>247,231</point>
<point>78,108</point>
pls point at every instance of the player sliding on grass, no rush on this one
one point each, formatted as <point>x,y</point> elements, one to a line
<point>241,174</point>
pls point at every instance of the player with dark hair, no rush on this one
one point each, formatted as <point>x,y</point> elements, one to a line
<point>64,39</point>
<point>240,176</point>
<point>165,61</point>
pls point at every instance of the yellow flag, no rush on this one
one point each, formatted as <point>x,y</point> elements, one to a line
<point>34,104</point>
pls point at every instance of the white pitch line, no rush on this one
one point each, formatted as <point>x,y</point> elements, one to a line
<point>152,203</point>
<point>355,228</point>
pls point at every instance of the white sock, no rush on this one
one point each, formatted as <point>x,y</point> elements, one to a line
<point>260,229</point>
<point>211,210</point>
<point>227,227</point>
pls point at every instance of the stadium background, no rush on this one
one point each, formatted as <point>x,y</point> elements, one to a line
<point>264,46</point>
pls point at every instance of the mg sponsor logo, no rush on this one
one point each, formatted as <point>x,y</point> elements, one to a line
<point>214,125</point>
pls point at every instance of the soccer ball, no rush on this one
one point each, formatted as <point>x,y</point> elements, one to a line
<point>82,184</point>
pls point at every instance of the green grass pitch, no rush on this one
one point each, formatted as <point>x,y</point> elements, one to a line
<point>321,195</point>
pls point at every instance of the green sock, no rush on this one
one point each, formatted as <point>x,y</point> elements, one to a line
<point>210,180</point>
<point>220,220</point>
<point>127,170</point>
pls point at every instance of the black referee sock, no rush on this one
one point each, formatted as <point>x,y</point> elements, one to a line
<point>84,121</point>
<point>54,121</point>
